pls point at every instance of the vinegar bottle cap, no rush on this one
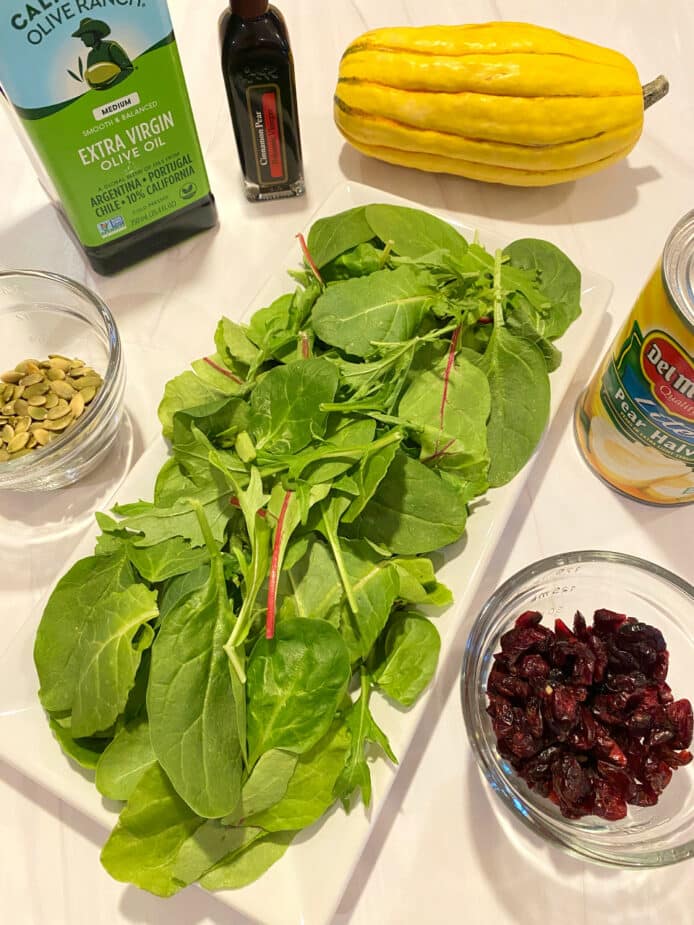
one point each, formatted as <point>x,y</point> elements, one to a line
<point>249,9</point>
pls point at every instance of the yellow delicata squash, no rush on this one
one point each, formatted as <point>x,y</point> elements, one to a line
<point>502,102</point>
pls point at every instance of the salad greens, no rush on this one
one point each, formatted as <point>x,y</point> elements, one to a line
<point>215,663</point>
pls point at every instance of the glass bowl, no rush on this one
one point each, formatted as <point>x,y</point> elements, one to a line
<point>558,587</point>
<point>42,313</point>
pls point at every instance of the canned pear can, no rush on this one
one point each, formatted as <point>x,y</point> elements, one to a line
<point>634,423</point>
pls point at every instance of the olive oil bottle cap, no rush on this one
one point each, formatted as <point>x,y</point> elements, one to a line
<point>249,9</point>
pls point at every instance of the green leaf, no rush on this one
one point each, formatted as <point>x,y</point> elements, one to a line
<point>331,236</point>
<point>385,307</point>
<point>210,844</point>
<point>414,509</point>
<point>111,649</point>
<point>167,559</point>
<point>155,524</point>
<point>86,752</point>
<point>412,232</point>
<point>266,785</point>
<point>285,405</point>
<point>520,394</point>
<point>249,865</point>
<point>309,793</point>
<point>233,344</point>
<point>75,603</point>
<point>184,391</point>
<point>412,649</point>
<point>124,761</point>
<point>151,830</point>
<point>418,583</point>
<point>451,407</point>
<point>355,774</point>
<point>312,588</point>
<point>295,684</point>
<point>192,702</point>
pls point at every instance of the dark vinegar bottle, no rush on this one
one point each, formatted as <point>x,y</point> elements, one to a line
<point>258,72</point>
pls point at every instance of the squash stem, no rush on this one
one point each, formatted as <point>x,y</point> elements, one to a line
<point>655,90</point>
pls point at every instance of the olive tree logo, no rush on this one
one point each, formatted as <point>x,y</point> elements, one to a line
<point>107,62</point>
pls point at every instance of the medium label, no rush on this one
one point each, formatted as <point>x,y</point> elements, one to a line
<point>265,113</point>
<point>104,103</point>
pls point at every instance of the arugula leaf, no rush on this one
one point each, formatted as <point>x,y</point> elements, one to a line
<point>151,830</point>
<point>295,683</point>
<point>363,728</point>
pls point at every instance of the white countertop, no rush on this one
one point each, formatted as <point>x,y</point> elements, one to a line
<point>441,851</point>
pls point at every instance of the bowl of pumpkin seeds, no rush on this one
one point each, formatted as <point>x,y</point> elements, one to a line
<point>62,380</point>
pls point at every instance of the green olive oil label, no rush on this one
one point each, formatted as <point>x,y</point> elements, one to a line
<point>100,91</point>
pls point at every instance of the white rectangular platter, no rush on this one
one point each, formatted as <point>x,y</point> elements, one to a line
<point>307,884</point>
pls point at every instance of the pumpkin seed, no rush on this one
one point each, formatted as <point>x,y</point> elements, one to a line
<point>51,400</point>
<point>62,389</point>
<point>77,405</point>
<point>55,372</point>
<point>89,382</point>
<point>31,379</point>
<point>31,443</point>
<point>18,442</point>
<point>22,424</point>
<point>88,394</point>
<point>36,400</point>
<point>7,433</point>
<point>18,391</point>
<point>4,455</point>
<point>39,388</point>
<point>8,409</point>
<point>60,424</point>
<point>27,367</point>
<point>42,436</point>
<point>59,411</point>
<point>37,414</point>
<point>7,393</point>
<point>11,376</point>
<point>21,406</point>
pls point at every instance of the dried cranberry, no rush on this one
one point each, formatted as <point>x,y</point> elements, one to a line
<point>585,716</point>
<point>680,715</point>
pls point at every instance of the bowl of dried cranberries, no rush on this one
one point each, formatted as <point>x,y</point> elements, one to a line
<point>575,687</point>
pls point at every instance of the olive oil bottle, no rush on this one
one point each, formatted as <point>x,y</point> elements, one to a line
<point>258,69</point>
<point>103,103</point>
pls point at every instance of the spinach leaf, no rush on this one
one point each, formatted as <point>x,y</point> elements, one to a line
<point>124,761</point>
<point>244,868</point>
<point>520,394</point>
<point>266,785</point>
<point>412,232</point>
<point>210,844</point>
<point>329,237</point>
<point>385,307</point>
<point>233,345</point>
<point>312,588</point>
<point>418,583</point>
<point>285,405</point>
<point>151,830</point>
<point>184,391</point>
<point>295,683</point>
<point>309,792</point>
<point>355,774</point>
<point>193,699</point>
<point>166,559</point>
<point>76,602</point>
<point>85,752</point>
<point>412,649</point>
<point>556,277</point>
<point>414,509</point>
<point>111,649</point>
<point>360,261</point>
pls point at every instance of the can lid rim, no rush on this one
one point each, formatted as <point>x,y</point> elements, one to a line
<point>678,267</point>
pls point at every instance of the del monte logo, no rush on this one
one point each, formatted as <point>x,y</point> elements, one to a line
<point>671,374</point>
